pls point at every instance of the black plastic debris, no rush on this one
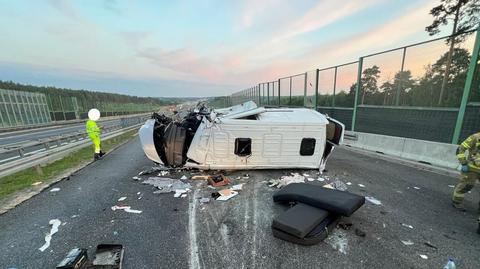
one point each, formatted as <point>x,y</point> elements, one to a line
<point>108,256</point>
<point>76,259</point>
<point>360,233</point>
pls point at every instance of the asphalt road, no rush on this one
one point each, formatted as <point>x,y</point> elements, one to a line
<point>35,134</point>
<point>182,232</point>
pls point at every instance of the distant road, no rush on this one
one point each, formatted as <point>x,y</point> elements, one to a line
<point>35,134</point>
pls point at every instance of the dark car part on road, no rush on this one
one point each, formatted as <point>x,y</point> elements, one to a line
<point>108,256</point>
<point>316,213</point>
<point>335,201</point>
<point>77,258</point>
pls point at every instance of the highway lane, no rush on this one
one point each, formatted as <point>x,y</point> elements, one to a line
<point>181,232</point>
<point>35,134</point>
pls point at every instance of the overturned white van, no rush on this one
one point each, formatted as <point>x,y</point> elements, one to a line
<point>242,137</point>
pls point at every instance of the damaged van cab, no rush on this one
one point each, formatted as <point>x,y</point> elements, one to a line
<point>242,137</point>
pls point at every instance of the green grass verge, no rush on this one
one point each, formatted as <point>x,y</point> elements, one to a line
<point>24,179</point>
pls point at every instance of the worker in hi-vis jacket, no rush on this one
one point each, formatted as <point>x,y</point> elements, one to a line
<point>94,131</point>
<point>470,171</point>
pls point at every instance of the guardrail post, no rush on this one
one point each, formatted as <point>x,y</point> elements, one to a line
<point>290,100</point>
<point>334,86</point>
<point>21,152</point>
<point>305,90</point>
<point>357,90</point>
<point>467,88</point>
<point>279,102</point>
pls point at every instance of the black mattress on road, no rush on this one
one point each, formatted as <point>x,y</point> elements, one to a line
<point>299,220</point>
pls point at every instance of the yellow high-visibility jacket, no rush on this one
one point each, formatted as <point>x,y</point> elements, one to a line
<point>92,129</point>
<point>472,159</point>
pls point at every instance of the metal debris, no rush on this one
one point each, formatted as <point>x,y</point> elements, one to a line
<point>167,185</point>
<point>373,200</point>
<point>55,224</point>
<point>126,209</point>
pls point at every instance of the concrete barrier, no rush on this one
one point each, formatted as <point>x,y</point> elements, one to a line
<point>434,153</point>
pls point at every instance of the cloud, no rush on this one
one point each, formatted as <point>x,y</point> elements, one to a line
<point>252,9</point>
<point>66,8</point>
<point>112,5</point>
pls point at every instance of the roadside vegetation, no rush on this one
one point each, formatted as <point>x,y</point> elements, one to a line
<point>24,179</point>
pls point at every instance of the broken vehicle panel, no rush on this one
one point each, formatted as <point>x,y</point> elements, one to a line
<point>242,137</point>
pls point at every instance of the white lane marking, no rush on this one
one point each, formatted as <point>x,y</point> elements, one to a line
<point>192,215</point>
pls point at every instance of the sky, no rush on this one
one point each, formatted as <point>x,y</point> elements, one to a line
<point>195,48</point>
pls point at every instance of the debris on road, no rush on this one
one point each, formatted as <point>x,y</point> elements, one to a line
<point>74,216</point>
<point>360,233</point>
<point>451,186</point>
<point>428,244</point>
<point>417,188</point>
<point>204,200</point>
<point>126,209</point>
<point>407,225</point>
<point>373,200</point>
<point>36,183</point>
<point>285,180</point>
<point>361,185</point>
<point>407,242</point>
<point>184,177</point>
<point>136,178</point>
<point>237,187</point>
<point>310,179</point>
<point>218,180</point>
<point>76,258</point>
<point>425,257</point>
<point>338,240</point>
<point>55,224</point>
<point>108,256</point>
<point>152,170</point>
<point>163,173</point>
<point>167,185</point>
<point>349,183</point>
<point>345,225</point>
<point>122,198</point>
<point>55,189</point>
<point>180,192</point>
<point>226,194</point>
<point>336,185</point>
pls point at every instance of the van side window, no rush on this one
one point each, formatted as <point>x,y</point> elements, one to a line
<point>243,146</point>
<point>307,148</point>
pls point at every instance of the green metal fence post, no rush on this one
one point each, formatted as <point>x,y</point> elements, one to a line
<point>467,88</point>
<point>279,103</point>
<point>400,84</point>
<point>305,90</point>
<point>268,93</point>
<point>357,90</point>
<point>334,86</point>
<point>317,73</point>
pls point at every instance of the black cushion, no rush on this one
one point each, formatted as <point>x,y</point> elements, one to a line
<point>299,220</point>
<point>334,201</point>
<point>317,235</point>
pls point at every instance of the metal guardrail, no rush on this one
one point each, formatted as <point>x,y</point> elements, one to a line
<point>54,153</point>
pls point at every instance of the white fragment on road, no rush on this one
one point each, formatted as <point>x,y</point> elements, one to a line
<point>204,200</point>
<point>384,225</point>
<point>349,183</point>
<point>407,242</point>
<point>55,189</point>
<point>321,179</point>
<point>373,200</point>
<point>451,186</point>
<point>74,216</point>
<point>163,173</point>
<point>399,192</point>
<point>237,187</point>
<point>425,257</point>
<point>126,209</point>
<point>361,185</point>
<point>305,175</point>
<point>136,178</point>
<point>415,187</point>
<point>179,192</point>
<point>138,193</point>
<point>183,195</point>
<point>184,177</point>
<point>36,183</point>
<point>55,223</point>
<point>226,194</point>
<point>338,240</point>
<point>310,179</point>
<point>407,225</point>
<point>122,198</point>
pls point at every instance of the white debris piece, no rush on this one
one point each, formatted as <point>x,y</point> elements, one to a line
<point>167,185</point>
<point>349,183</point>
<point>163,173</point>
<point>451,186</point>
<point>180,192</point>
<point>74,216</point>
<point>237,187</point>
<point>55,223</point>
<point>204,200</point>
<point>184,177</point>
<point>36,183</point>
<point>373,200</point>
<point>407,242</point>
<point>338,240</point>
<point>183,195</point>
<point>321,179</point>
<point>55,189</point>
<point>361,185</point>
<point>122,198</point>
<point>306,175</point>
<point>407,225</point>
<point>226,194</point>
<point>310,179</point>
<point>285,180</point>
<point>136,178</point>
<point>138,193</point>
<point>126,209</point>
<point>417,188</point>
<point>425,257</point>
